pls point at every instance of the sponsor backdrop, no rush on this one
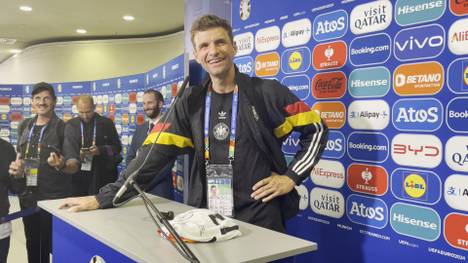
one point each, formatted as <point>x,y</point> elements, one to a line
<point>119,99</point>
<point>390,78</point>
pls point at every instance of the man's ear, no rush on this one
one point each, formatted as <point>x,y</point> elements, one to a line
<point>235,47</point>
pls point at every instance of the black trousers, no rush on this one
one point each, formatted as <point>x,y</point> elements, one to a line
<point>4,247</point>
<point>38,232</point>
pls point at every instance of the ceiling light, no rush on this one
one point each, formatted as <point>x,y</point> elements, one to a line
<point>15,51</point>
<point>128,18</point>
<point>81,31</point>
<point>25,8</point>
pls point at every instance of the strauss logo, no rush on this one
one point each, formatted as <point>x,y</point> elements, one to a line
<point>329,52</point>
<point>366,176</point>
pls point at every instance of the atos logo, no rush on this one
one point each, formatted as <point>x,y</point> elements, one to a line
<point>295,60</point>
<point>456,192</point>
<point>456,230</point>
<point>328,173</point>
<point>296,33</point>
<point>410,12</point>
<point>420,42</point>
<point>367,211</point>
<point>329,85</point>
<point>456,153</point>
<point>330,55</point>
<point>417,114</point>
<point>367,179</point>
<point>415,221</point>
<point>369,82</point>
<point>368,147</point>
<point>291,144</point>
<point>327,202</point>
<point>333,113</point>
<point>368,114</point>
<point>459,7</point>
<point>425,78</point>
<point>458,37</point>
<point>245,65</point>
<point>457,114</point>
<point>417,150</point>
<point>371,17</point>
<point>370,50</point>
<point>335,147</point>
<point>299,85</point>
<point>267,64</point>
<point>416,186</point>
<point>330,25</point>
<point>457,76</point>
<point>244,43</point>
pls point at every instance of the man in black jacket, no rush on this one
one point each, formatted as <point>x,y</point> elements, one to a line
<point>234,125</point>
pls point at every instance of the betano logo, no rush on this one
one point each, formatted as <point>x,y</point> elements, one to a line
<point>415,221</point>
<point>371,17</point>
<point>367,211</point>
<point>417,186</point>
<point>457,76</point>
<point>417,150</point>
<point>456,153</point>
<point>328,173</point>
<point>457,114</point>
<point>458,37</point>
<point>369,82</point>
<point>330,55</point>
<point>419,42</point>
<point>367,179</point>
<point>368,114</point>
<point>456,192</point>
<point>459,7</point>
<point>267,39</point>
<point>267,64</point>
<point>417,114</point>
<point>327,202</point>
<point>410,12</point>
<point>456,230</point>
<point>295,60</point>
<point>425,78</point>
<point>329,85</point>
<point>296,33</point>
<point>244,43</point>
<point>330,25</point>
<point>333,113</point>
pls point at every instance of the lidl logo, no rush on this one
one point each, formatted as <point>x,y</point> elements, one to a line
<point>245,65</point>
<point>370,50</point>
<point>299,85</point>
<point>416,186</point>
<point>330,25</point>
<point>267,64</point>
<point>456,230</point>
<point>417,150</point>
<point>417,114</point>
<point>291,144</point>
<point>295,60</point>
<point>457,114</point>
<point>458,37</point>
<point>267,39</point>
<point>420,42</point>
<point>371,17</point>
<point>457,76</point>
<point>368,114</point>
<point>369,82</point>
<point>456,153</point>
<point>336,144</point>
<point>330,55</point>
<point>333,113</point>
<point>327,202</point>
<point>244,43</point>
<point>425,78</point>
<point>456,192</point>
<point>459,7</point>
<point>296,33</point>
<point>415,221</point>
<point>410,12</point>
<point>329,85</point>
<point>368,147</point>
<point>328,173</point>
<point>367,179</point>
<point>367,211</point>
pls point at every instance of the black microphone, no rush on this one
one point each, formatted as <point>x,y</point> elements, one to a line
<point>130,179</point>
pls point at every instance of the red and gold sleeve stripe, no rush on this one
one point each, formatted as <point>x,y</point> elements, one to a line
<point>300,114</point>
<point>166,138</point>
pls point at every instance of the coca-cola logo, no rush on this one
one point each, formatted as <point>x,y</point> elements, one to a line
<point>329,85</point>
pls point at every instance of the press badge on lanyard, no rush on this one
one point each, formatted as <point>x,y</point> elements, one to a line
<point>31,164</point>
<point>219,176</point>
<point>87,162</point>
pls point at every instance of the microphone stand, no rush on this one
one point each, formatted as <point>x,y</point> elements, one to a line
<point>180,245</point>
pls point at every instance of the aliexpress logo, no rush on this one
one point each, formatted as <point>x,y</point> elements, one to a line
<point>418,79</point>
<point>330,55</point>
<point>367,179</point>
<point>267,64</point>
<point>329,85</point>
<point>333,113</point>
<point>456,230</point>
<point>459,7</point>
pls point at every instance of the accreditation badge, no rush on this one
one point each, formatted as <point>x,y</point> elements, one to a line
<point>87,164</point>
<point>31,170</point>
<point>219,188</point>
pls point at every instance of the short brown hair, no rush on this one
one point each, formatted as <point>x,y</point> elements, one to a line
<point>206,22</point>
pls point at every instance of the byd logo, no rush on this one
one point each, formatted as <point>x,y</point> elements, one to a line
<point>418,150</point>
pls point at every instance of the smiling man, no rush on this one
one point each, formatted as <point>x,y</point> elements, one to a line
<point>235,126</point>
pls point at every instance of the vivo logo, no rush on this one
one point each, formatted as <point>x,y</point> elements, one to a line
<point>419,42</point>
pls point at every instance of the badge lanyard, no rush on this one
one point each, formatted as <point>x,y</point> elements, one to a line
<point>82,135</point>
<point>28,144</point>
